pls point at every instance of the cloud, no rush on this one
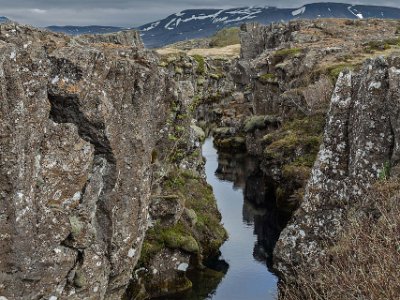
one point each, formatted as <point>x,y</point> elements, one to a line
<point>38,11</point>
<point>130,13</point>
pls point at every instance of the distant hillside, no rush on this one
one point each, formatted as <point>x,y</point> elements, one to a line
<point>199,23</point>
<point>75,30</point>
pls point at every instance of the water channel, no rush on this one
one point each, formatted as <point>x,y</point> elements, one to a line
<point>253,222</point>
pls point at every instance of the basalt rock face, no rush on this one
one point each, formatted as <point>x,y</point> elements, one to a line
<point>361,145</point>
<point>256,38</point>
<point>126,37</point>
<point>78,123</point>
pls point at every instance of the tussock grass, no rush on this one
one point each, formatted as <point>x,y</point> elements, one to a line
<point>365,262</point>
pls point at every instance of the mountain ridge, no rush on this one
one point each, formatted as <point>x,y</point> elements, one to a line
<point>90,29</point>
<point>199,23</point>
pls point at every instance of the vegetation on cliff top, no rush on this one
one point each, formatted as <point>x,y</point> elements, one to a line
<point>364,262</point>
<point>225,37</point>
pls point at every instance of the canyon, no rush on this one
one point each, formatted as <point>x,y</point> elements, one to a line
<point>103,187</point>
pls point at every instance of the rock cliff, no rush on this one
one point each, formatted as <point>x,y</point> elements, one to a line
<point>280,109</point>
<point>360,146</point>
<point>98,144</point>
<point>80,118</point>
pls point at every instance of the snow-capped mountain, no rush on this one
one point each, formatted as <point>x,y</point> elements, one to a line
<point>199,23</point>
<point>74,30</point>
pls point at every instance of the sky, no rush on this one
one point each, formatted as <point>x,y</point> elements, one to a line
<point>129,13</point>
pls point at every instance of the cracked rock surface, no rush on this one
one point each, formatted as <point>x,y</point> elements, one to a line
<point>361,140</point>
<point>79,119</point>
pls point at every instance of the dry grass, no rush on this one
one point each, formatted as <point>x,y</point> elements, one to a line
<point>226,52</point>
<point>365,262</point>
<point>170,51</point>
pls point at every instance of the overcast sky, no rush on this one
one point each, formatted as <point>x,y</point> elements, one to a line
<point>129,13</point>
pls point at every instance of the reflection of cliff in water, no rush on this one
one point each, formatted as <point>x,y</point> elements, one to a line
<point>259,207</point>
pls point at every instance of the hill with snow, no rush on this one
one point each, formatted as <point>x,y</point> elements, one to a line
<point>75,30</point>
<point>200,23</point>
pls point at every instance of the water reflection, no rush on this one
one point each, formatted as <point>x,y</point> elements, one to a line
<point>247,204</point>
<point>259,206</point>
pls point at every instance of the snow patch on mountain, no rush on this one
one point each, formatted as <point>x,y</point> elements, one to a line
<point>152,26</point>
<point>167,26</point>
<point>202,17</point>
<point>299,11</point>
<point>356,14</point>
<point>199,23</point>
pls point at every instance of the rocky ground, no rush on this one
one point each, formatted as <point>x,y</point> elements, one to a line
<point>102,178</point>
<point>91,137</point>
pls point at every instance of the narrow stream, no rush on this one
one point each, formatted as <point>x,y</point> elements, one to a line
<point>247,277</point>
<point>249,214</point>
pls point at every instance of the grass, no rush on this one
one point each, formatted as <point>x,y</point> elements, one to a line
<point>225,37</point>
<point>294,148</point>
<point>334,71</point>
<point>282,54</point>
<point>364,262</point>
<point>381,45</point>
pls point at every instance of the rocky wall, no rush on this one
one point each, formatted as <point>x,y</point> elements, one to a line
<point>79,121</point>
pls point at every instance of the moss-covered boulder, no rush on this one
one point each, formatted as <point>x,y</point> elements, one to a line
<point>260,122</point>
<point>236,143</point>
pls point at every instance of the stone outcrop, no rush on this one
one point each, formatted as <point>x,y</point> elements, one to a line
<point>361,146</point>
<point>184,225</point>
<point>126,38</point>
<point>256,38</point>
<point>79,121</point>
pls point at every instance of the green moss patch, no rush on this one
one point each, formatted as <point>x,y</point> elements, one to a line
<point>267,78</point>
<point>381,45</point>
<point>334,71</point>
<point>201,64</point>
<point>260,122</point>
<point>236,143</point>
<point>297,141</point>
<point>283,54</point>
<point>198,231</point>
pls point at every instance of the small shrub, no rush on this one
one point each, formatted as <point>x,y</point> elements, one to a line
<point>385,172</point>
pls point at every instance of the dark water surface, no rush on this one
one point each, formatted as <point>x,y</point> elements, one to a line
<point>253,223</point>
<point>247,277</point>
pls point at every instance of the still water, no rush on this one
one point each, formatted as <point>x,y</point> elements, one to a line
<point>247,277</point>
<point>247,205</point>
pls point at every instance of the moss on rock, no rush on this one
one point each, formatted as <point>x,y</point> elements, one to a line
<point>260,122</point>
<point>199,231</point>
<point>201,64</point>
<point>267,78</point>
<point>236,143</point>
